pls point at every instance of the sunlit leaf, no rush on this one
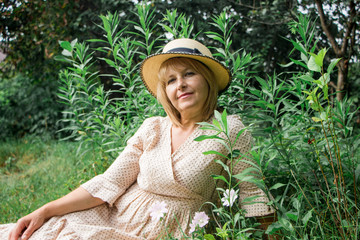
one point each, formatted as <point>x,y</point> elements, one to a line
<point>312,65</point>
<point>316,119</point>
<point>333,63</point>
<point>277,185</point>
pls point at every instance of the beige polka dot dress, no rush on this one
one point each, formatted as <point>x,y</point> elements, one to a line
<point>146,172</point>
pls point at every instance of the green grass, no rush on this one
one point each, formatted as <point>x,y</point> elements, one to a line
<point>34,171</point>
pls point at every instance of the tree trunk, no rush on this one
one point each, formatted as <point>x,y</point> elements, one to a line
<point>341,86</point>
<point>344,49</point>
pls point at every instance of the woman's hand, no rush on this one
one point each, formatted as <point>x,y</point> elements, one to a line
<point>77,200</point>
<point>25,226</point>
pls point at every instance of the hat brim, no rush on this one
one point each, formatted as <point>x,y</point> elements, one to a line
<point>151,65</point>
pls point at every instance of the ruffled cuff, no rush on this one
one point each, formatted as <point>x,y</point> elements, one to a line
<point>103,188</point>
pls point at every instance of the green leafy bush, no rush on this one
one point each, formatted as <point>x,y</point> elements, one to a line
<point>307,146</point>
<point>27,108</point>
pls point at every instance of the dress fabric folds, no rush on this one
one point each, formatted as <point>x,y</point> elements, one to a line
<point>146,172</point>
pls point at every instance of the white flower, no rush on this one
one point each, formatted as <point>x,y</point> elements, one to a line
<point>158,210</point>
<point>200,219</point>
<point>229,199</point>
<point>192,228</point>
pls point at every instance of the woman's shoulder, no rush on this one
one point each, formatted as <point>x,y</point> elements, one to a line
<point>235,121</point>
<point>155,120</point>
<point>154,123</point>
<point>151,126</point>
<point>236,126</point>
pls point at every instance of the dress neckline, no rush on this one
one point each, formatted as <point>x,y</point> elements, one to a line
<point>187,140</point>
<point>190,138</point>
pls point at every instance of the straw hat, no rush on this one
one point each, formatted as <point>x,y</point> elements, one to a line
<point>183,47</point>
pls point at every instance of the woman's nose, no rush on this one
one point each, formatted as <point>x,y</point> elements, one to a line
<point>181,84</point>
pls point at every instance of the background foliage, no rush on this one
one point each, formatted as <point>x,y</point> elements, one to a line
<point>30,35</point>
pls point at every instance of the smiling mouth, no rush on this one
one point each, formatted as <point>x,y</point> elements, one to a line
<point>184,95</point>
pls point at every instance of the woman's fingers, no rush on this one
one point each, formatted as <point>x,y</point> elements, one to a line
<point>17,231</point>
<point>28,232</point>
<point>25,227</point>
<point>33,226</point>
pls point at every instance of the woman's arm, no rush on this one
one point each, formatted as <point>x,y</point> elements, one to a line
<point>77,200</point>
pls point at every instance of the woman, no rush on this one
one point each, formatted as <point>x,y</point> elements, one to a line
<point>160,163</point>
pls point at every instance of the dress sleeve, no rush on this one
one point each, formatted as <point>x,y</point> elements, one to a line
<point>122,173</point>
<point>247,189</point>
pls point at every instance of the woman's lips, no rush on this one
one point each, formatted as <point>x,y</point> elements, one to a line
<point>184,95</point>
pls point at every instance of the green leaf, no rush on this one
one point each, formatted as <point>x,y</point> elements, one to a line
<point>292,216</point>
<point>209,237</point>
<point>246,176</point>
<point>105,23</point>
<point>204,137</point>
<point>220,177</point>
<point>319,59</point>
<point>323,116</point>
<point>66,45</point>
<point>319,83</point>
<point>271,106</point>
<point>326,92</point>
<point>215,37</point>
<point>239,134</point>
<point>277,185</point>
<point>312,65</point>
<point>307,217</point>
<point>251,163</point>
<point>273,228</point>
<point>250,200</point>
<point>66,53</point>
<point>298,46</point>
<point>96,40</point>
<point>214,152</point>
<point>307,78</point>
<point>316,119</point>
<point>264,83</point>
<point>236,217</point>
<point>224,121</point>
<point>325,79</point>
<point>296,204</point>
<point>207,126</point>
<point>299,63</point>
<point>109,62</point>
<point>304,58</point>
<point>333,63</point>
<point>217,124</point>
<point>226,167</point>
<point>345,223</point>
<point>217,115</point>
<point>286,65</point>
<point>261,103</point>
<point>73,42</point>
<point>286,224</point>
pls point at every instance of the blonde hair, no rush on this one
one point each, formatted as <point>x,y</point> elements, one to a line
<point>197,66</point>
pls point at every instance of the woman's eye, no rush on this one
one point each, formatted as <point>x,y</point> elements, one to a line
<point>188,74</point>
<point>171,80</point>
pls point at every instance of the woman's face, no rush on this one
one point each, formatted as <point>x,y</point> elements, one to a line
<point>186,89</point>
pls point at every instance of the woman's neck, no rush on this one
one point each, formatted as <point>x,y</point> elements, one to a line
<point>179,134</point>
<point>190,122</point>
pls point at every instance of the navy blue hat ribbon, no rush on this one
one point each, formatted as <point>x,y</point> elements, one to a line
<point>185,50</point>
